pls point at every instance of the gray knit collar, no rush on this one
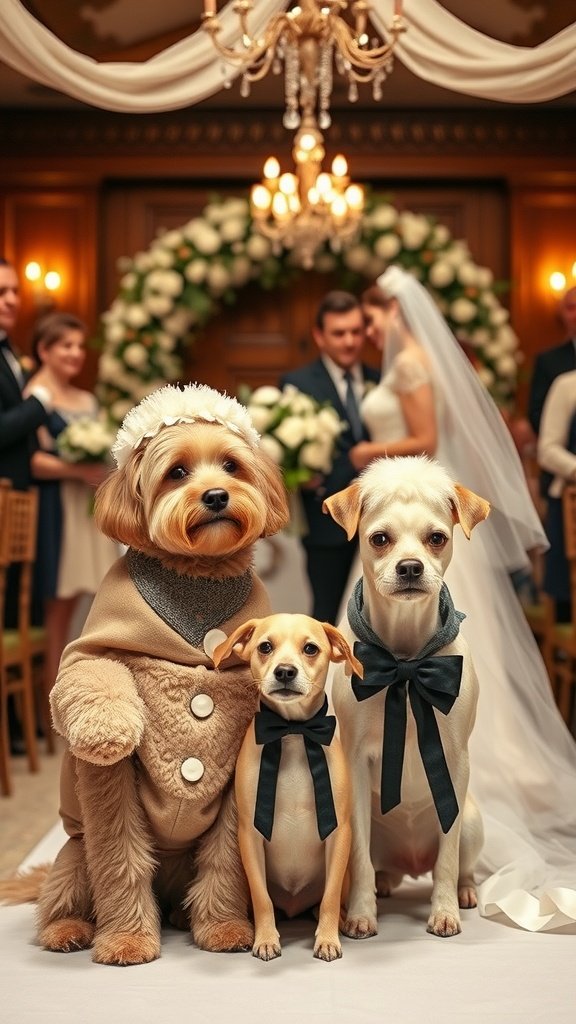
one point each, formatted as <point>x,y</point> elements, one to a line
<point>191,605</point>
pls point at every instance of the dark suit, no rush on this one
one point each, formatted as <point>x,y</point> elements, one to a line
<point>329,554</point>
<point>547,366</point>
<point>19,420</point>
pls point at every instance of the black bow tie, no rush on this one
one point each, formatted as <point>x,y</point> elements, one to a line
<point>269,731</point>
<point>431,682</point>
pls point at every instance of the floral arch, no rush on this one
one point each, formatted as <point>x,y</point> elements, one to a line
<point>169,292</point>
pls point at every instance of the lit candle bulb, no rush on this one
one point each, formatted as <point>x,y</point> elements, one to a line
<point>557,281</point>
<point>271,168</point>
<point>323,184</point>
<point>280,206</point>
<point>354,196</point>
<point>32,271</point>
<point>261,197</point>
<point>52,281</point>
<point>339,166</point>
<point>287,184</point>
<point>339,207</point>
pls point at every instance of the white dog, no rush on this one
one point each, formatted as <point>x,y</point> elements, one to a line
<point>412,812</point>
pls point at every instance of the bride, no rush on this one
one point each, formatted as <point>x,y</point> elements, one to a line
<point>523,759</point>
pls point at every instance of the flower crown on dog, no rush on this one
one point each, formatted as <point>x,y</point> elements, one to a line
<point>172,404</point>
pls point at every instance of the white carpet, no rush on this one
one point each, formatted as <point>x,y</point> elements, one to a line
<point>489,973</point>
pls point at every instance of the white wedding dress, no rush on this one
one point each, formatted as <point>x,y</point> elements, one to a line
<point>523,759</point>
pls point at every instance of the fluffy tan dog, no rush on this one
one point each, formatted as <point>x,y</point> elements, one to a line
<point>153,730</point>
<point>294,847</point>
<point>412,812</point>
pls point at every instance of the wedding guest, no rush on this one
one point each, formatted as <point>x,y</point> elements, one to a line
<point>550,364</point>
<point>339,377</point>
<point>73,556</point>
<point>556,455</point>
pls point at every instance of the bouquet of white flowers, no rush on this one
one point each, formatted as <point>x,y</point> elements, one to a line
<point>85,440</point>
<point>298,432</point>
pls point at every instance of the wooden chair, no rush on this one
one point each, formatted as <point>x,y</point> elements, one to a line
<point>18,523</point>
<point>562,638</point>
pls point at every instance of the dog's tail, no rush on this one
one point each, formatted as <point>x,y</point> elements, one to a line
<point>25,886</point>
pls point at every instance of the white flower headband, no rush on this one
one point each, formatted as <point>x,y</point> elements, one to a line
<point>170,405</point>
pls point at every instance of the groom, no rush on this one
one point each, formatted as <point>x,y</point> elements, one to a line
<point>338,377</point>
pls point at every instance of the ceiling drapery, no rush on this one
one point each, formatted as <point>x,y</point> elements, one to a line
<point>438,47</point>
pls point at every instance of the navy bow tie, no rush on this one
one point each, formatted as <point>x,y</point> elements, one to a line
<point>269,731</point>
<point>430,682</point>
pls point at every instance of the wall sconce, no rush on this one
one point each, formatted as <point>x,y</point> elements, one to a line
<point>44,283</point>
<point>559,281</point>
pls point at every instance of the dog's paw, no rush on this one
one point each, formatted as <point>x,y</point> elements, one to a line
<point>102,754</point>
<point>327,951</point>
<point>234,936</point>
<point>267,949</point>
<point>443,924</point>
<point>359,927</point>
<point>467,898</point>
<point>126,949</point>
<point>67,935</point>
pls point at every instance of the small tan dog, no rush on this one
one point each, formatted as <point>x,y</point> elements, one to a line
<point>304,860</point>
<point>407,634</point>
<point>153,730</point>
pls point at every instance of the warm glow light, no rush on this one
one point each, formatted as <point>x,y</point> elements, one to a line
<point>288,184</point>
<point>261,197</point>
<point>339,207</point>
<point>354,197</point>
<point>33,271</point>
<point>307,141</point>
<point>324,184</point>
<point>557,281</point>
<point>574,269</point>
<point>271,168</point>
<point>280,205</point>
<point>339,166</point>
<point>52,280</point>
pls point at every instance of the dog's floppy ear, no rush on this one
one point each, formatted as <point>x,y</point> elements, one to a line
<point>468,509</point>
<point>271,484</point>
<point>118,505</point>
<point>240,636</point>
<point>344,507</point>
<point>341,650</point>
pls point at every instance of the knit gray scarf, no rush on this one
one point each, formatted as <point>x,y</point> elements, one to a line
<point>450,620</point>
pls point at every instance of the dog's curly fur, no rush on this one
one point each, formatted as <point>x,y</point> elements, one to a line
<point>145,843</point>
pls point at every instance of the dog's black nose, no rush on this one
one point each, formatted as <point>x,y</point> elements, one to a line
<point>215,499</point>
<point>410,569</point>
<point>285,673</point>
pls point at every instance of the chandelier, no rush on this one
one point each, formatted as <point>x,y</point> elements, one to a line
<point>301,211</point>
<point>313,32</point>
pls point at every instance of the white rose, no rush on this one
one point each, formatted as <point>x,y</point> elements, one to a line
<point>232,230</point>
<point>135,356</point>
<point>165,341</point>
<point>329,422</point>
<point>129,280</point>
<point>485,277</point>
<point>507,338</point>
<point>162,257</point>
<point>178,323</point>
<point>383,217</point>
<point>158,305</point>
<point>456,254</point>
<point>489,300</point>
<point>136,316</point>
<point>204,237</point>
<point>507,366</point>
<point>120,409</point>
<point>462,311</point>
<point>172,239</point>
<point>467,274</point>
<point>114,332</point>
<point>272,448</point>
<point>261,417</point>
<point>108,367</point>
<point>258,248</point>
<point>265,395</point>
<point>441,274</point>
<point>357,257</point>
<point>291,432</point>
<point>214,213</point>
<point>387,246</point>
<point>240,271</point>
<point>302,404</point>
<point>486,376</point>
<point>143,262</point>
<point>480,337</point>
<point>169,282</point>
<point>316,455</point>
<point>493,349</point>
<point>234,207</point>
<point>414,230</point>
<point>499,316</point>
<point>440,236</point>
<point>217,278</point>
<point>195,271</point>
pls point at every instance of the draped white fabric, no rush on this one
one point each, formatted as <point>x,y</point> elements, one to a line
<point>438,48</point>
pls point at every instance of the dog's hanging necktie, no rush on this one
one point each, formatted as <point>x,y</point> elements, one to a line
<point>352,410</point>
<point>318,731</point>
<point>429,682</point>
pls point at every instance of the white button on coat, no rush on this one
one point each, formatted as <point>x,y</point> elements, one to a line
<point>192,769</point>
<point>202,705</point>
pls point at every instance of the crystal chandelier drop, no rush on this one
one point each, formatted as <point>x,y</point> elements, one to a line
<point>301,210</point>
<point>338,33</point>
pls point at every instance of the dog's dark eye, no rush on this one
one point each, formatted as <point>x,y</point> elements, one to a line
<point>311,649</point>
<point>379,540</point>
<point>178,473</point>
<point>265,647</point>
<point>230,466</point>
<point>437,539</point>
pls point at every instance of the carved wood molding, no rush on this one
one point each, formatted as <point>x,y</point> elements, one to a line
<point>520,131</point>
